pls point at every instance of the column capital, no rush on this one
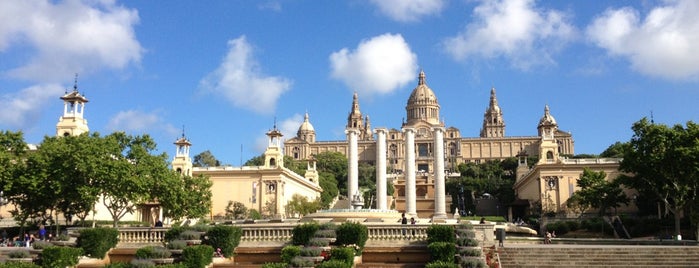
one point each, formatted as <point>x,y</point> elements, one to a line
<point>408,129</point>
<point>351,131</point>
<point>441,129</point>
<point>380,130</point>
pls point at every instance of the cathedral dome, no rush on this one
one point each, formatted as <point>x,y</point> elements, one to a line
<point>547,119</point>
<point>306,125</point>
<point>422,94</point>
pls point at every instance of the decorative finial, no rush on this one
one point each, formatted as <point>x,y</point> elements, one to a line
<point>275,123</point>
<point>75,85</point>
<point>182,131</point>
<point>652,121</point>
<point>421,80</point>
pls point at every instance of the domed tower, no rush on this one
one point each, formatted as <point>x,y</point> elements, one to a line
<point>274,157</point>
<point>306,131</point>
<point>72,123</point>
<point>356,121</point>
<point>548,148</point>
<point>422,105</point>
<point>493,123</point>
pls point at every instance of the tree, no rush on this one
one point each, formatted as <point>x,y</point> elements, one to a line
<point>183,196</point>
<point>615,150</point>
<point>301,205</point>
<point>663,163</point>
<point>205,159</point>
<point>596,191</point>
<point>256,161</point>
<point>329,185</point>
<point>236,210</point>
<point>336,164</point>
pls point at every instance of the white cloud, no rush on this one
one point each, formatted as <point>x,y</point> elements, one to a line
<point>288,127</point>
<point>135,121</point>
<point>663,44</point>
<point>20,109</point>
<point>68,37</point>
<point>513,29</point>
<point>240,80</point>
<point>271,5</point>
<point>409,11</point>
<point>379,65</point>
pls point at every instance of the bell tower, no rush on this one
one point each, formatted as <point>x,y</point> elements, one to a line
<point>182,163</point>
<point>72,123</point>
<point>274,157</point>
<point>548,147</point>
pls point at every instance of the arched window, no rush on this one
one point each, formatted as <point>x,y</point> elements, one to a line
<point>296,152</point>
<point>179,170</point>
<point>272,162</point>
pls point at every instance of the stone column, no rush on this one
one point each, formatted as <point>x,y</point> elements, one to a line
<point>439,190</point>
<point>410,195</point>
<point>381,168</point>
<point>352,165</point>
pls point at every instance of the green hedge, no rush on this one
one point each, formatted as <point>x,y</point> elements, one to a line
<point>303,233</point>
<point>95,242</point>
<point>333,264</point>
<point>275,265</point>
<point>225,237</point>
<point>289,252</point>
<point>14,264</point>
<point>442,251</point>
<point>350,233</point>
<point>197,256</point>
<point>440,233</point>
<point>60,257</point>
<point>343,254</point>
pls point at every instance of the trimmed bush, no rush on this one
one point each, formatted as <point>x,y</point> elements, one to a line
<point>289,252</point>
<point>197,256</point>
<point>142,263</point>
<point>172,265</point>
<point>325,234</point>
<point>41,244</point>
<point>12,264</point>
<point>440,233</point>
<point>275,265</point>
<point>225,237</point>
<point>177,244</point>
<point>442,251</point>
<point>19,253</point>
<point>560,228</point>
<point>118,265</point>
<point>318,242</point>
<point>311,251</point>
<point>95,242</point>
<point>173,233</point>
<point>573,225</point>
<point>301,262</point>
<point>333,264</point>
<point>472,263</point>
<point>350,233</point>
<point>303,233</point>
<point>441,264</point>
<point>190,235</point>
<point>151,252</point>
<point>343,254</point>
<point>467,242</point>
<point>474,252</point>
<point>60,257</point>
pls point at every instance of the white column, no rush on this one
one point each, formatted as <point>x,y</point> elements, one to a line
<point>410,196</point>
<point>439,191</point>
<point>352,165</point>
<point>381,168</point>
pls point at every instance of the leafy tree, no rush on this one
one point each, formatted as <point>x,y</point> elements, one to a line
<point>256,161</point>
<point>329,185</point>
<point>574,204</point>
<point>183,196</point>
<point>334,163</point>
<point>596,191</point>
<point>236,210</point>
<point>205,159</point>
<point>301,205</point>
<point>12,150</point>
<point>615,150</point>
<point>664,164</point>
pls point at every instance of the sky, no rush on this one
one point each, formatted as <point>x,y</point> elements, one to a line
<point>227,71</point>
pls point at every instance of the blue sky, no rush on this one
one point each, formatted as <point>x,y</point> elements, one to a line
<point>226,69</point>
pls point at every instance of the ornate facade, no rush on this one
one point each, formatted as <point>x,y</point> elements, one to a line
<point>422,113</point>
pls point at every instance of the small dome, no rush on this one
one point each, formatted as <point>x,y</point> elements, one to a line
<point>306,125</point>
<point>422,94</point>
<point>547,119</point>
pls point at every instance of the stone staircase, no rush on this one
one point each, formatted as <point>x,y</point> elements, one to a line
<point>598,256</point>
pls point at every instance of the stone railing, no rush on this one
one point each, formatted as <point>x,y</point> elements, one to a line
<point>280,233</point>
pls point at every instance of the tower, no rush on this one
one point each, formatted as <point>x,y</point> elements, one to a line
<point>548,148</point>
<point>422,105</point>
<point>182,163</point>
<point>493,123</point>
<point>274,157</point>
<point>72,123</point>
<point>356,121</point>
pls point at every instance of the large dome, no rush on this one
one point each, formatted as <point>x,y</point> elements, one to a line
<point>422,105</point>
<point>306,125</point>
<point>422,94</point>
<point>547,119</point>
